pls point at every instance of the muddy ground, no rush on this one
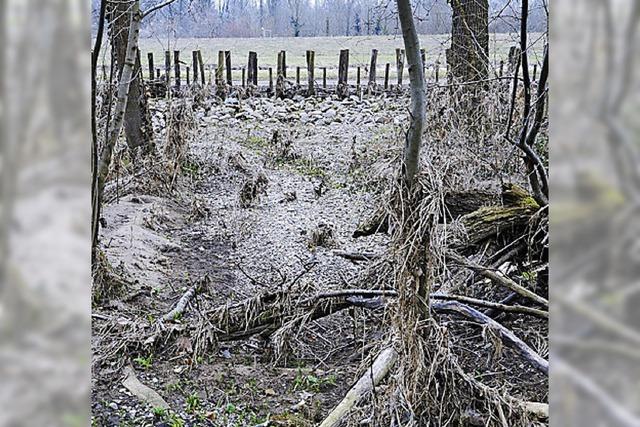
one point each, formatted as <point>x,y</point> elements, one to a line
<point>268,193</point>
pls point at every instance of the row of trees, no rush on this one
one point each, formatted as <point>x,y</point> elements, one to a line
<point>305,18</point>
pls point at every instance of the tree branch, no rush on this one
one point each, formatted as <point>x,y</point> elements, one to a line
<point>156,7</point>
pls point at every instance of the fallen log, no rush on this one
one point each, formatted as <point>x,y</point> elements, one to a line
<point>484,214</point>
<point>495,222</point>
<point>371,378</point>
<point>265,314</point>
<point>507,336</point>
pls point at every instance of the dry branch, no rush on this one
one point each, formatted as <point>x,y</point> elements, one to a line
<point>371,378</point>
<point>181,305</point>
<point>495,305</point>
<point>498,277</point>
<point>508,337</point>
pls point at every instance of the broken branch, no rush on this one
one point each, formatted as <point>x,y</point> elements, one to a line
<point>371,378</point>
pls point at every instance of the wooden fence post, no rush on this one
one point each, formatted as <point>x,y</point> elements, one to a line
<point>270,80</point>
<point>151,67</point>
<point>220,68</point>
<point>227,66</point>
<point>343,73</point>
<point>158,73</point>
<point>437,70</point>
<point>358,80</point>
<point>284,63</point>
<point>201,64</point>
<point>194,60</point>
<point>501,73</point>
<point>176,66</point>
<point>279,65</point>
<point>298,75</point>
<point>400,65</point>
<point>167,67</point>
<point>244,77</point>
<point>387,67</point>
<point>252,66</point>
<point>372,67</point>
<point>188,79</point>
<point>310,72</point>
<point>324,77</point>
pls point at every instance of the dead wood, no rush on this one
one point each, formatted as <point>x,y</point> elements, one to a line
<point>484,213</point>
<point>378,223</point>
<point>497,277</point>
<point>371,378</point>
<point>495,222</point>
<point>495,305</point>
<point>181,305</point>
<point>141,391</point>
<point>268,312</point>
<point>265,314</point>
<point>507,337</point>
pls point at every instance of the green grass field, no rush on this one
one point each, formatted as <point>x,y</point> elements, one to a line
<point>327,51</point>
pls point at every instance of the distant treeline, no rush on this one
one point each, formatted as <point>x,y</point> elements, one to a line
<point>313,18</point>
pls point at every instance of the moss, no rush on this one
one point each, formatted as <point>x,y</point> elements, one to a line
<point>255,142</point>
<point>291,420</point>
<point>303,166</point>
<point>514,195</point>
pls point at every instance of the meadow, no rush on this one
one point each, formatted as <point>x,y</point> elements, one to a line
<point>327,50</point>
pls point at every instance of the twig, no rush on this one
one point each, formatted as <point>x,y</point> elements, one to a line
<point>157,7</point>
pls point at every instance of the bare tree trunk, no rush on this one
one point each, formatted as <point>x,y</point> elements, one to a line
<point>416,80</point>
<point>468,57</point>
<point>137,124</point>
<point>124,84</point>
<point>94,130</point>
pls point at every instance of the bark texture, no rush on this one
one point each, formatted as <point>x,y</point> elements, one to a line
<point>468,56</point>
<point>416,80</point>
<point>137,122</point>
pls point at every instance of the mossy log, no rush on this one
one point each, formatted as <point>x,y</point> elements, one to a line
<point>496,222</point>
<point>484,213</point>
<point>456,204</point>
